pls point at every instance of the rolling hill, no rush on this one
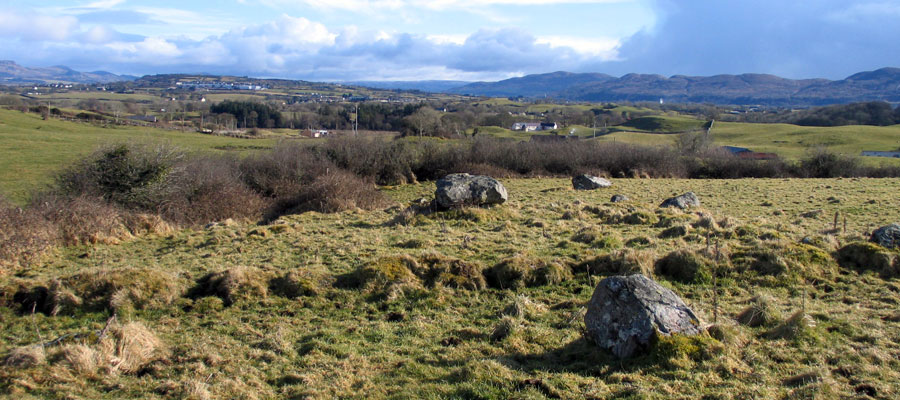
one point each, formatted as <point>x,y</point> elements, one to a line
<point>745,89</point>
<point>15,74</point>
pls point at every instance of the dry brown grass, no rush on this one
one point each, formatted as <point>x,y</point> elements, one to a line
<point>24,236</point>
<point>124,349</point>
<point>131,346</point>
<point>451,272</point>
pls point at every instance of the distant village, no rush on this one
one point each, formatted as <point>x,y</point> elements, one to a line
<point>219,86</point>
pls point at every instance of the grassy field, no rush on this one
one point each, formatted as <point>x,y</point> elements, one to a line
<point>31,149</point>
<point>323,305</point>
<point>85,95</point>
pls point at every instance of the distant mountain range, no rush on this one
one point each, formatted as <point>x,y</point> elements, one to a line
<point>424,86</point>
<point>745,89</point>
<point>15,74</point>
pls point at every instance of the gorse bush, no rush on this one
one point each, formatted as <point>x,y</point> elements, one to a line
<point>128,175</point>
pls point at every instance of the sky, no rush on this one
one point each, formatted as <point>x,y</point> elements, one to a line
<point>346,40</point>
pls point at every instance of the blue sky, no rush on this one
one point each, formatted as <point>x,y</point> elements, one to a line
<point>453,39</point>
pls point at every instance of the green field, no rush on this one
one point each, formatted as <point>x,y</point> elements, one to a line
<point>99,95</point>
<point>31,149</point>
<point>320,306</point>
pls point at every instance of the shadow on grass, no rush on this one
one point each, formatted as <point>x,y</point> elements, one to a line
<point>580,357</point>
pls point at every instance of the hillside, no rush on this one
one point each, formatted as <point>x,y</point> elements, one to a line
<point>532,85</point>
<point>33,149</point>
<point>745,89</point>
<point>15,74</point>
<point>326,306</point>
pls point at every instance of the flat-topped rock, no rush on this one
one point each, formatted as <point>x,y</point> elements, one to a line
<point>457,190</point>
<point>589,182</point>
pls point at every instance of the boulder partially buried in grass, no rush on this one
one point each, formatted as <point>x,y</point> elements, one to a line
<point>457,190</point>
<point>626,313</point>
<point>684,201</point>
<point>588,182</point>
<point>887,236</point>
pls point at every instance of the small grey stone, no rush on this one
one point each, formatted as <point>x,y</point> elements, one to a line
<point>684,201</point>
<point>618,198</point>
<point>626,312</point>
<point>588,182</point>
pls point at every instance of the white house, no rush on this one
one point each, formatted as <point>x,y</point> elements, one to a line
<point>526,126</point>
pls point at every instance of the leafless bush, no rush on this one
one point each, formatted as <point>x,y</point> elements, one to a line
<point>24,234</point>
<point>281,171</point>
<point>82,219</point>
<point>335,191</point>
<point>207,189</point>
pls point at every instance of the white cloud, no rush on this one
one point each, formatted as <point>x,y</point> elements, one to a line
<point>103,4</point>
<point>362,5</point>
<point>605,49</point>
<point>36,27</point>
<point>297,47</point>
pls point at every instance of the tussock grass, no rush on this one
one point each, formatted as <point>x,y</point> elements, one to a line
<point>232,285</point>
<point>622,262</point>
<point>25,357</point>
<point>688,266</point>
<point>521,271</point>
<point>762,311</point>
<point>866,256</point>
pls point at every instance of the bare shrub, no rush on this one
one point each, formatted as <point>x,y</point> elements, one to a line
<point>386,162</point>
<point>822,163</point>
<point>281,171</point>
<point>209,189</point>
<point>24,235</point>
<point>332,192</point>
<point>82,219</point>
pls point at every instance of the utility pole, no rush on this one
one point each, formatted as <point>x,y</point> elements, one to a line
<point>356,121</point>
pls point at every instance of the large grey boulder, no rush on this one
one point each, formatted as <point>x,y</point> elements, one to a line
<point>686,200</point>
<point>456,190</point>
<point>588,182</point>
<point>887,236</point>
<point>627,312</point>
